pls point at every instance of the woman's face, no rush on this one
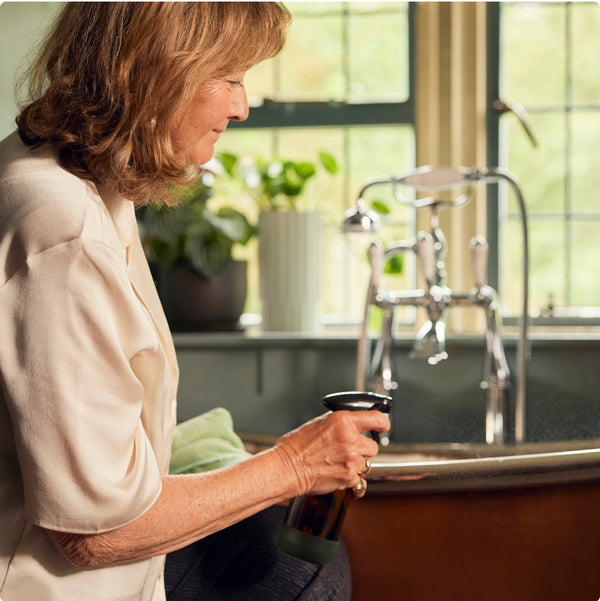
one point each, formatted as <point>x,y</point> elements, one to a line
<point>216,103</point>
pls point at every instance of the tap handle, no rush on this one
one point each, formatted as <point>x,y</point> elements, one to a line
<point>426,256</point>
<point>479,252</point>
<point>376,258</point>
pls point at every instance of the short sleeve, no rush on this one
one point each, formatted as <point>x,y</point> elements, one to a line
<point>72,329</point>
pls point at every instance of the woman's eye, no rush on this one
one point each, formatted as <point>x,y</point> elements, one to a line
<point>236,83</point>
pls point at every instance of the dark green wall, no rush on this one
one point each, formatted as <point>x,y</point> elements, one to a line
<point>271,385</point>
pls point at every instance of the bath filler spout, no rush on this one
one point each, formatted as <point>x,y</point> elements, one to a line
<point>374,370</point>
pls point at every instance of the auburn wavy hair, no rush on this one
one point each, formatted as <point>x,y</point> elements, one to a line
<point>111,76</point>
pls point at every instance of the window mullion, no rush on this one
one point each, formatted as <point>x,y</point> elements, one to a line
<point>316,114</point>
<point>568,144</point>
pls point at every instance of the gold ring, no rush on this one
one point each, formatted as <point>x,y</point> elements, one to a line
<point>367,468</point>
<point>360,488</point>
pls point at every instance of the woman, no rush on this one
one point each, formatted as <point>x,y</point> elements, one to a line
<point>126,99</point>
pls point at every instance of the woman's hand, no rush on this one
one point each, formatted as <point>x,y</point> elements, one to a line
<point>328,452</point>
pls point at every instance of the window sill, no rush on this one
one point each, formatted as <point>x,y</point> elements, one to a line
<point>254,338</point>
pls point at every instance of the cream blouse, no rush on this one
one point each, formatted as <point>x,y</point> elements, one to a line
<point>88,379</point>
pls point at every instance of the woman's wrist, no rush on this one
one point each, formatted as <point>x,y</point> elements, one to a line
<point>282,468</point>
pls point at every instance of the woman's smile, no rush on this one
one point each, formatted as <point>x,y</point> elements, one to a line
<point>215,104</point>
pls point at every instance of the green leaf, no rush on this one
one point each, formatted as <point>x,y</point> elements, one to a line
<point>328,162</point>
<point>394,265</point>
<point>304,169</point>
<point>209,260</point>
<point>380,206</point>
<point>234,225</point>
<point>228,161</point>
<point>291,187</point>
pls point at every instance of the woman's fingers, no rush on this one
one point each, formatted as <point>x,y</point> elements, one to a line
<point>331,452</point>
<point>369,420</point>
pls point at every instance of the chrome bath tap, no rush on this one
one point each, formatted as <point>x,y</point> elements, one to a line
<point>375,367</point>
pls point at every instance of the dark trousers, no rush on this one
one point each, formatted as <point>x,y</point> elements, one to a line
<point>243,563</point>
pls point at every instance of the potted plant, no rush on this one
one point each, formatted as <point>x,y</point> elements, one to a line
<point>290,238</point>
<point>189,246</point>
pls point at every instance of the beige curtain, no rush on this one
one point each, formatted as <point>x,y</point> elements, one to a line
<point>450,125</point>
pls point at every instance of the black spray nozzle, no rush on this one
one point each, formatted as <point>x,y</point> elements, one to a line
<point>357,401</point>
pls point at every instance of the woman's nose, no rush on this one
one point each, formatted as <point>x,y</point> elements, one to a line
<point>239,105</point>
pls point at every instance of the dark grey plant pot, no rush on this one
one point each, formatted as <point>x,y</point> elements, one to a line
<point>193,303</point>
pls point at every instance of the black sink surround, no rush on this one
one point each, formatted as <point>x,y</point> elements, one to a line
<point>272,383</point>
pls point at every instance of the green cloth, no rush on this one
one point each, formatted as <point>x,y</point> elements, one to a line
<point>206,442</point>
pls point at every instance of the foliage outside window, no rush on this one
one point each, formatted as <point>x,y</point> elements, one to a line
<point>549,64</point>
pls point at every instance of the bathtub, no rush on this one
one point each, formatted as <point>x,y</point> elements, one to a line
<point>470,522</point>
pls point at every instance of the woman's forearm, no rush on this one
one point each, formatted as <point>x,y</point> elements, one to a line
<point>323,455</point>
<point>189,507</point>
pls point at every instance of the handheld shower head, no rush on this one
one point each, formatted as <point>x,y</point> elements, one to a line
<point>360,219</point>
<point>435,180</point>
<point>438,178</point>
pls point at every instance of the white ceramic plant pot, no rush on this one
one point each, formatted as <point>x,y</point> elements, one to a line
<point>290,259</point>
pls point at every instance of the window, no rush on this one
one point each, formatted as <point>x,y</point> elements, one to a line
<point>322,93</point>
<point>547,62</point>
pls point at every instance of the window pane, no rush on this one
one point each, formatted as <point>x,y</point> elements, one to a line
<point>379,151</point>
<point>586,256</point>
<point>311,66</point>
<point>355,51</point>
<point>551,53</point>
<point>533,49</point>
<point>242,142</point>
<point>378,52</point>
<point>585,53</point>
<point>541,170</point>
<point>546,264</point>
<point>584,160</point>
<point>260,82</point>
<point>547,261</point>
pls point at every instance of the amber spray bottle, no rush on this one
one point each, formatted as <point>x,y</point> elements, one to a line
<point>312,525</point>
